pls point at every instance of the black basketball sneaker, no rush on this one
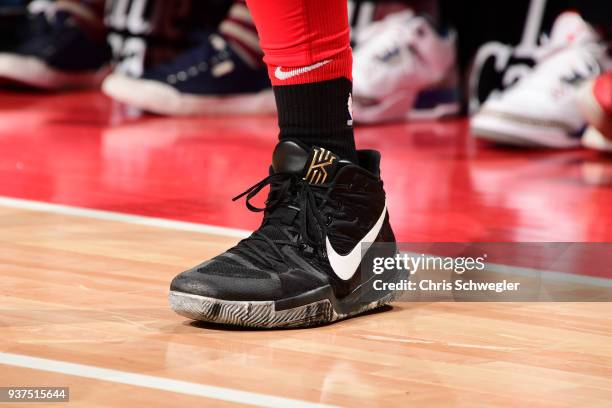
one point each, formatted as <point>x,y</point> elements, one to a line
<point>303,266</point>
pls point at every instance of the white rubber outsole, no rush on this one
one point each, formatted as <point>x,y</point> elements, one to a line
<point>263,314</point>
<point>524,133</point>
<point>398,108</point>
<point>33,72</point>
<point>156,97</point>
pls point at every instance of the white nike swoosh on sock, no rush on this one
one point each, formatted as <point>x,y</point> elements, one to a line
<point>284,75</point>
<point>346,266</point>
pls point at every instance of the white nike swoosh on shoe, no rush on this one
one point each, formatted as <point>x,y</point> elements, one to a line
<point>284,75</point>
<point>346,266</point>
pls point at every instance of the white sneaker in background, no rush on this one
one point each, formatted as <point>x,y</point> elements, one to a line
<point>540,110</point>
<point>404,69</point>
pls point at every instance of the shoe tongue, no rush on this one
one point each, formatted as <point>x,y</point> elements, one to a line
<point>570,28</point>
<point>315,165</point>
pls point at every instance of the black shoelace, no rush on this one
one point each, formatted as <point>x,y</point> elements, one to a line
<point>288,192</point>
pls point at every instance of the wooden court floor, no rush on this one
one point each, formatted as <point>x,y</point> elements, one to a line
<point>100,208</point>
<point>83,305</point>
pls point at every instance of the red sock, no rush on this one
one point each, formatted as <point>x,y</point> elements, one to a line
<point>307,50</point>
<point>304,41</point>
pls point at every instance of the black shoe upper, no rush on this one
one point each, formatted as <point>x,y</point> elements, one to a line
<point>313,196</point>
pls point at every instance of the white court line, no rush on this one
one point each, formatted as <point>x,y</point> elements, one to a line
<point>551,275</point>
<point>121,217</point>
<point>534,272</point>
<point>157,383</point>
<point>122,377</point>
<point>239,233</point>
<point>221,393</point>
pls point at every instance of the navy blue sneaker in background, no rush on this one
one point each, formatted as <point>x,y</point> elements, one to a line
<point>56,54</point>
<point>209,79</point>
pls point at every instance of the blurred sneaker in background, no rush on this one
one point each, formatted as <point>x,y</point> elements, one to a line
<point>58,51</point>
<point>595,103</point>
<point>222,74</point>
<point>404,69</point>
<point>208,79</point>
<point>146,33</point>
<point>540,109</point>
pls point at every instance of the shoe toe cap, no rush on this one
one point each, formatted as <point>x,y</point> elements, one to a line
<point>226,281</point>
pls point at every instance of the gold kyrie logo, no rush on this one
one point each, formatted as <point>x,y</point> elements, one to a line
<point>321,160</point>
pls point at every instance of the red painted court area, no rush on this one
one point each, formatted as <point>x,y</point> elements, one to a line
<point>81,149</point>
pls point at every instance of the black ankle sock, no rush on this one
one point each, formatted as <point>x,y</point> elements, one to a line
<point>317,114</point>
